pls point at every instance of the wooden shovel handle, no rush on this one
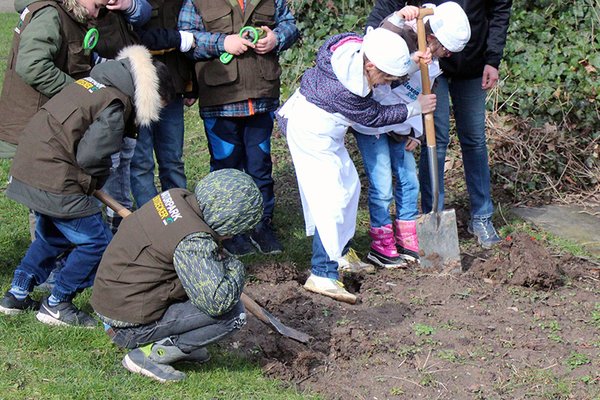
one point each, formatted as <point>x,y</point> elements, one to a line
<point>425,82</point>
<point>112,203</point>
<point>254,308</point>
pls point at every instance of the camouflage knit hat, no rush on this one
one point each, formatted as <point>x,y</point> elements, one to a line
<point>230,201</point>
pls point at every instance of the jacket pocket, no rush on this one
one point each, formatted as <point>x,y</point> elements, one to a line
<point>218,19</point>
<point>78,63</point>
<point>264,15</point>
<point>61,111</point>
<point>215,73</point>
<point>269,66</point>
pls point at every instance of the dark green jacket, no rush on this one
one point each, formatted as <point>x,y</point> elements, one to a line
<point>46,56</point>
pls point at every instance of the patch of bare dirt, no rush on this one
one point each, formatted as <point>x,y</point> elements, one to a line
<point>519,324</point>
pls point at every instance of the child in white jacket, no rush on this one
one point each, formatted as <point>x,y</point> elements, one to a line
<point>334,95</point>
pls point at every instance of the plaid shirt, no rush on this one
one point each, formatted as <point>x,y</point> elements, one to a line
<point>211,44</point>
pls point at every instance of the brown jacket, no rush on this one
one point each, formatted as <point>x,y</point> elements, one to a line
<point>136,280</point>
<point>115,33</point>
<point>46,155</point>
<point>248,76</point>
<point>19,101</point>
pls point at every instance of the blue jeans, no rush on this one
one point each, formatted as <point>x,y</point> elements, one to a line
<point>244,143</point>
<point>384,157</point>
<point>118,185</point>
<point>187,326</point>
<point>165,140</point>
<point>468,104</point>
<point>321,264</point>
<point>54,236</point>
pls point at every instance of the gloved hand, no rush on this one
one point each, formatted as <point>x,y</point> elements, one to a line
<point>187,41</point>
<point>96,59</point>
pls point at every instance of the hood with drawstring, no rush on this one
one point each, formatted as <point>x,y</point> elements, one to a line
<point>230,201</point>
<point>135,75</point>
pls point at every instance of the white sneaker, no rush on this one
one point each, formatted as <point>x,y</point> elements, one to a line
<point>329,287</point>
<point>351,262</point>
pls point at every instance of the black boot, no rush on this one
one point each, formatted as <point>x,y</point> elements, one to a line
<point>264,238</point>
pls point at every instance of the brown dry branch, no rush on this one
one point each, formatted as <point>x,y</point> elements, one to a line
<point>543,164</point>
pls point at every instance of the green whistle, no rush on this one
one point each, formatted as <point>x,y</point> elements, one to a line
<point>90,40</point>
<point>253,35</point>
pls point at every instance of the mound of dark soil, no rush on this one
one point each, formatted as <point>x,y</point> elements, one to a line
<point>521,261</point>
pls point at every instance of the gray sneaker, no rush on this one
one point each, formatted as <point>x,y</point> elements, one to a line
<point>199,356</point>
<point>64,314</point>
<point>484,231</point>
<point>139,361</point>
<point>166,352</point>
<point>153,360</point>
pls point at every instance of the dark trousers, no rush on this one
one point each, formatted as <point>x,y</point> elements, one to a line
<point>187,326</point>
<point>244,143</point>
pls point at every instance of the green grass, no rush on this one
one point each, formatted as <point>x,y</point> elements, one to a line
<point>37,361</point>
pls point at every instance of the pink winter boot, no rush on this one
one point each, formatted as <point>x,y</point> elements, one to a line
<point>407,240</point>
<point>383,248</point>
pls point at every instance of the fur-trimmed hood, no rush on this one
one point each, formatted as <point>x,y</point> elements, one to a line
<point>134,74</point>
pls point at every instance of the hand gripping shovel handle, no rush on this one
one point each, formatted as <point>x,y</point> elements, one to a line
<point>112,203</point>
<point>249,304</point>
<point>429,124</point>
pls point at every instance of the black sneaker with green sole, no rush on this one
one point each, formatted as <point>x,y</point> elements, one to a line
<point>239,245</point>
<point>265,239</point>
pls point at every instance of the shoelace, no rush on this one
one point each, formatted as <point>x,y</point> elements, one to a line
<point>340,284</point>
<point>351,256</point>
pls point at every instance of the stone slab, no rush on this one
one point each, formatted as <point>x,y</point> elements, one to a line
<point>569,222</point>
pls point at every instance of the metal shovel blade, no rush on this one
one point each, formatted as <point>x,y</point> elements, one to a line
<point>287,330</point>
<point>438,240</point>
<point>273,322</point>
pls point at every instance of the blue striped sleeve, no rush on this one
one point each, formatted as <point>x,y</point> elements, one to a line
<point>286,31</point>
<point>208,45</point>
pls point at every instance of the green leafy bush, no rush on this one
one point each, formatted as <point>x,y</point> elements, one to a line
<point>549,80</point>
<point>551,64</point>
<point>317,20</point>
<point>552,59</point>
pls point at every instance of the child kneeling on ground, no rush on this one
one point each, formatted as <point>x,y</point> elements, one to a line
<point>164,288</point>
<point>62,158</point>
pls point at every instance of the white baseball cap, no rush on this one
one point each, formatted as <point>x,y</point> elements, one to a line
<point>387,50</point>
<point>450,25</point>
